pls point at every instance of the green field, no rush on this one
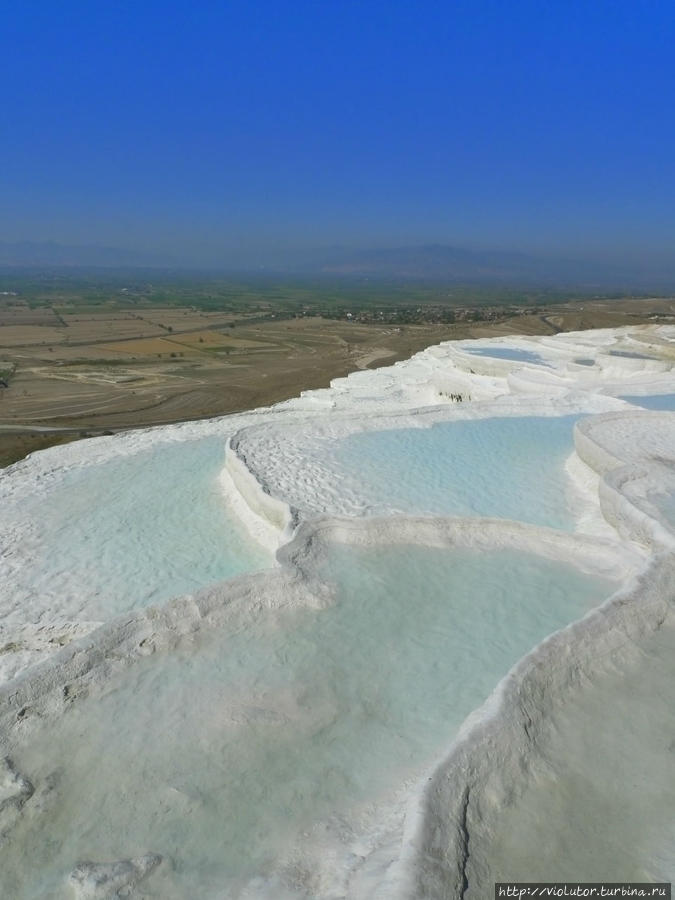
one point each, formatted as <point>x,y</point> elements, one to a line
<point>90,290</point>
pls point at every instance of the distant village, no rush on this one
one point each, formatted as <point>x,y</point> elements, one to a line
<point>417,315</point>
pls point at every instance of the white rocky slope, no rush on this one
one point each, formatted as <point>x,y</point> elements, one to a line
<point>435,845</point>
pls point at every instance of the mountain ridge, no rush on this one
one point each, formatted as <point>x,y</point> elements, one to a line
<point>427,262</point>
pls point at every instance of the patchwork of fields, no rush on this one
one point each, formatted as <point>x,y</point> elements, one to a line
<point>113,369</point>
<point>86,368</point>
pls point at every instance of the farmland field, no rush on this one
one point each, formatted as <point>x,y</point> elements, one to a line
<point>87,355</point>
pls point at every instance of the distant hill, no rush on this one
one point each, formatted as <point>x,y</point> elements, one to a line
<point>444,263</point>
<point>433,262</point>
<point>49,253</point>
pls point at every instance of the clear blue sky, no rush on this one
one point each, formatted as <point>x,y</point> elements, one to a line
<point>538,125</point>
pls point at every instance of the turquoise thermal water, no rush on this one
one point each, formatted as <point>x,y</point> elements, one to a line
<point>666,505</point>
<point>664,402</point>
<point>627,354</point>
<point>507,353</point>
<point>602,805</point>
<point>136,530</point>
<point>225,753</point>
<point>510,468</point>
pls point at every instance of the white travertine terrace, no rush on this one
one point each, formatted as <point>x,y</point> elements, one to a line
<point>280,479</point>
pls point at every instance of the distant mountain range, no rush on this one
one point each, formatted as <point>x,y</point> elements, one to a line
<point>49,253</point>
<point>443,263</point>
<point>433,262</point>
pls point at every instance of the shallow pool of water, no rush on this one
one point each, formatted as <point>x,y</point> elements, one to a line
<point>264,752</point>
<point>627,354</point>
<point>604,807</point>
<point>509,468</point>
<point>666,505</point>
<point>508,353</point>
<point>132,531</point>
<point>664,402</point>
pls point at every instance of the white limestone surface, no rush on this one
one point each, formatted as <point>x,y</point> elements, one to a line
<point>503,458</point>
<point>83,682</point>
<point>261,739</point>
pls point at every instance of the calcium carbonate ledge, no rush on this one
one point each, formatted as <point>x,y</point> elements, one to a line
<point>87,664</point>
<point>496,753</point>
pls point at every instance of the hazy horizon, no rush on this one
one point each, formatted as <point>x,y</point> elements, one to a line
<point>433,263</point>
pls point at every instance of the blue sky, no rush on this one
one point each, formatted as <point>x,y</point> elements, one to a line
<point>202,126</point>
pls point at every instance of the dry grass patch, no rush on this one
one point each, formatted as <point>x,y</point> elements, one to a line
<point>27,335</point>
<point>143,347</point>
<point>207,340</point>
